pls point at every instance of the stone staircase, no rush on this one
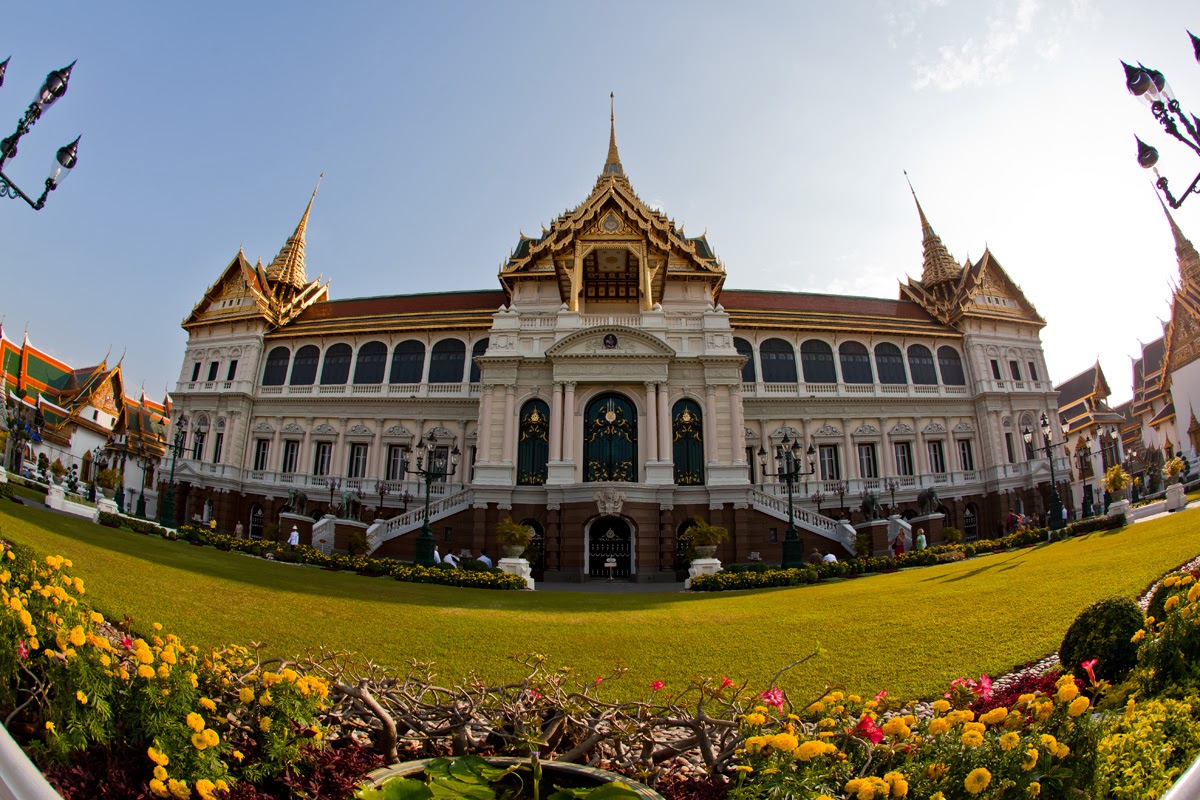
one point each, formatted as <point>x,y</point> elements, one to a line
<point>410,521</point>
<point>835,530</point>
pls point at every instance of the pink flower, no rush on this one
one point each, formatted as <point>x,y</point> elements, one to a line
<point>127,643</point>
<point>984,687</point>
<point>773,697</point>
<point>1089,667</point>
<point>657,685</point>
<point>598,681</point>
<point>882,694</point>
<point>535,694</point>
<point>725,682</point>
<point>866,727</point>
<point>22,650</point>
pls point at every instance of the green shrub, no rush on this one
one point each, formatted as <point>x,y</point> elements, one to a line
<point>357,543</point>
<point>1169,654</point>
<point>110,520</point>
<point>1143,751</point>
<point>271,532</point>
<point>952,534</point>
<point>1104,630</point>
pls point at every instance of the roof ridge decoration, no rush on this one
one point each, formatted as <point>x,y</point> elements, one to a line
<point>612,164</point>
<point>1185,254</point>
<point>288,266</point>
<point>937,265</point>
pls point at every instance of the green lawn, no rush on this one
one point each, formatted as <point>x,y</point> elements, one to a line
<point>909,632</point>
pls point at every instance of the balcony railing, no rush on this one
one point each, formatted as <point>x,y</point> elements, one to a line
<point>463,389</point>
<point>856,390</point>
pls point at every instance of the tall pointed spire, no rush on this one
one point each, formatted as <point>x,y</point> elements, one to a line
<point>612,165</point>
<point>1185,253</point>
<point>938,264</point>
<point>288,266</point>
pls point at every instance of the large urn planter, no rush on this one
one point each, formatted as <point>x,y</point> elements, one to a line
<point>554,773</point>
<point>705,550</point>
<point>513,550</point>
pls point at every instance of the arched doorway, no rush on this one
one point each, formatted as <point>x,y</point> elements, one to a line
<point>610,538</point>
<point>256,521</point>
<point>610,439</point>
<point>536,552</point>
<point>683,548</point>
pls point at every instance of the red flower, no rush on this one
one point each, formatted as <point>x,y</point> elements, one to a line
<point>773,697</point>
<point>880,695</point>
<point>127,643</point>
<point>984,687</point>
<point>657,685</point>
<point>22,650</point>
<point>598,680</point>
<point>725,682</point>
<point>866,727</point>
<point>1089,667</point>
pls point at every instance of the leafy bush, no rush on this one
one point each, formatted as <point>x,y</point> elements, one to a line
<point>110,520</point>
<point>1143,751</point>
<point>1169,653</point>
<point>952,534</point>
<point>1104,630</point>
<point>1116,479</point>
<point>357,543</point>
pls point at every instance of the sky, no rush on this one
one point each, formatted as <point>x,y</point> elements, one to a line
<point>444,130</point>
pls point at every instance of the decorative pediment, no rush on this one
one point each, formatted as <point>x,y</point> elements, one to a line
<point>292,427</point>
<point>902,428</point>
<point>1006,422</point>
<point>935,427</point>
<point>610,224</point>
<point>439,432</point>
<point>964,427</point>
<point>474,434</point>
<point>325,429</point>
<point>610,341</point>
<point>264,427</point>
<point>828,430</point>
<point>359,429</point>
<point>751,436</point>
<point>785,430</point>
<point>866,429</point>
<point>221,423</point>
<point>398,430</point>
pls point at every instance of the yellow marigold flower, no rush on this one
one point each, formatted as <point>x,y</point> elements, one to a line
<point>50,726</point>
<point>1080,704</point>
<point>290,675</point>
<point>1048,742</point>
<point>1067,692</point>
<point>978,727</point>
<point>238,755</point>
<point>81,697</point>
<point>159,788</point>
<point>785,742</point>
<point>853,699</point>
<point>956,717</point>
<point>205,788</point>
<point>222,785</point>
<point>1172,602</point>
<point>1034,789</point>
<point>77,636</point>
<point>97,617</point>
<point>978,780</point>
<point>168,655</point>
<point>179,789</point>
<point>157,626</point>
<point>972,739</point>
<point>79,585</point>
<point>207,704</point>
<point>898,784</point>
<point>939,726</point>
<point>9,555</point>
<point>836,697</point>
<point>163,670</point>
<point>160,773</point>
<point>1063,751</point>
<point>145,672</point>
<point>744,768</point>
<point>195,722</point>
<point>25,617</point>
<point>1031,759</point>
<point>1009,741</point>
<point>144,657</point>
<point>751,719</point>
<point>1171,580</point>
<point>264,699</point>
<point>198,742</point>
<point>816,708</point>
<point>246,695</point>
<point>264,724</point>
<point>1141,633</point>
<point>211,738</point>
<point>896,727</point>
<point>937,796</point>
<point>194,681</point>
<point>1193,593</point>
<point>123,673</point>
<point>813,749</point>
<point>996,715</point>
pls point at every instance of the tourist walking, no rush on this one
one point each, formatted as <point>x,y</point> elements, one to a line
<point>920,539</point>
<point>293,538</point>
<point>483,558</point>
<point>237,530</point>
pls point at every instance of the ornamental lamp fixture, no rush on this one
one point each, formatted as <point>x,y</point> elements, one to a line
<point>54,87</point>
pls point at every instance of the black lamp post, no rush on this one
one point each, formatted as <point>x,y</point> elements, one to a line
<point>892,486</point>
<point>1056,520</point>
<point>818,498</point>
<point>429,466</point>
<point>840,488</point>
<point>145,462</point>
<point>1084,457</point>
<point>166,515</point>
<point>383,490</point>
<point>405,497</point>
<point>98,462</point>
<point>334,484</point>
<point>1150,87</point>
<point>54,87</point>
<point>789,468</point>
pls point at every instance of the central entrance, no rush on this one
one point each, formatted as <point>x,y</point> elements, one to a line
<point>610,439</point>
<point>610,538</point>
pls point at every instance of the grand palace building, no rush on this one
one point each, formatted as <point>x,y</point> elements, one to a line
<point>607,391</point>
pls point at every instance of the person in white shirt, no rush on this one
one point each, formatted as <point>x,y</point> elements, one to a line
<point>829,558</point>
<point>450,559</point>
<point>294,538</point>
<point>437,557</point>
<point>483,558</point>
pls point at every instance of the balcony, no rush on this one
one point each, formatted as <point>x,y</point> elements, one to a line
<point>215,386</point>
<point>850,390</point>
<point>374,390</point>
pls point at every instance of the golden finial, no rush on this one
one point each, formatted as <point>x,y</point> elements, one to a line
<point>1185,252</point>
<point>938,264</point>
<point>288,266</point>
<point>612,164</point>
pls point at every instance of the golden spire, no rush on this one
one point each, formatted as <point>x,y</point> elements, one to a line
<point>612,165</point>
<point>939,265</point>
<point>1185,253</point>
<point>288,266</point>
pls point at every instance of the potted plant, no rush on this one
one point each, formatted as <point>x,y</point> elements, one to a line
<point>58,470</point>
<point>107,480</point>
<point>513,537</point>
<point>473,776</point>
<point>705,537</point>
<point>1172,470</point>
<point>1116,481</point>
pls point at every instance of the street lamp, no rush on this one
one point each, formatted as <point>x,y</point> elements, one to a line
<point>429,466</point>
<point>1056,520</point>
<point>839,488</point>
<point>818,498</point>
<point>334,484</point>
<point>98,462</point>
<point>892,486</point>
<point>166,515</point>
<point>789,467</point>
<point>1084,457</point>
<point>54,87</point>
<point>145,461</point>
<point>1150,87</point>
<point>383,490</point>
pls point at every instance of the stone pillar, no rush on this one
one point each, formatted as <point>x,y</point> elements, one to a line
<point>485,424</point>
<point>506,448</point>
<point>338,460</point>
<point>306,448</point>
<point>273,461</point>
<point>711,446</point>
<point>651,421</point>
<point>568,431</point>
<point>556,423</point>
<point>851,453</point>
<point>887,459</point>
<point>739,423</point>
<point>375,459</point>
<point>664,425</point>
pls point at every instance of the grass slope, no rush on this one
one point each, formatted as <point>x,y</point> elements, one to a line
<point>909,632</point>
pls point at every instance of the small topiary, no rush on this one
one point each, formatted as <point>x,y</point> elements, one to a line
<point>1103,631</point>
<point>952,534</point>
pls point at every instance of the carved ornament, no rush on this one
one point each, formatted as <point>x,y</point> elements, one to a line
<point>397,430</point>
<point>828,430</point>
<point>325,429</point>
<point>902,427</point>
<point>867,429</point>
<point>609,501</point>
<point>935,427</point>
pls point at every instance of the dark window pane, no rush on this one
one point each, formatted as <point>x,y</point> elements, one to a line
<point>446,361</point>
<point>856,363</point>
<point>920,364</point>
<point>336,369</point>
<point>778,361</point>
<point>408,362</point>
<point>889,361</point>
<point>749,373</point>
<point>817,358</point>
<point>304,367</point>
<point>951,366</point>
<point>372,358</point>
<point>276,369</point>
<point>477,350</point>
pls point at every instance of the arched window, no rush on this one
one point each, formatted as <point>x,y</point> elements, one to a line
<point>970,523</point>
<point>744,348</point>
<point>408,362</point>
<point>477,350</point>
<point>889,363</point>
<point>533,443</point>
<point>610,439</point>
<point>372,359</point>
<point>336,368</point>
<point>446,361</point>
<point>817,358</point>
<point>275,373</point>
<point>687,430</point>
<point>304,365</point>
<point>856,363</point>
<point>920,365</point>
<point>778,361</point>
<point>951,366</point>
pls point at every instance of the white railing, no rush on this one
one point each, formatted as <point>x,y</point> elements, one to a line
<point>856,390</point>
<point>217,386</point>
<point>538,323</point>
<point>809,520</point>
<point>414,518</point>
<point>627,320</point>
<point>404,388</point>
<point>694,323</point>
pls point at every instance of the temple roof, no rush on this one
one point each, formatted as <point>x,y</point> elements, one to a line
<point>434,311</point>
<point>938,266</point>
<point>807,311</point>
<point>288,266</point>
<point>1089,383</point>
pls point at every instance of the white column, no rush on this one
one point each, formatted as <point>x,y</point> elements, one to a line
<point>339,455</point>
<point>651,421</point>
<point>711,446</point>
<point>507,447</point>
<point>568,421</point>
<point>485,424</point>
<point>273,461</point>
<point>851,458</point>
<point>887,459</point>
<point>306,448</point>
<point>739,423</point>
<point>556,423</point>
<point>664,425</point>
<point>375,457</point>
